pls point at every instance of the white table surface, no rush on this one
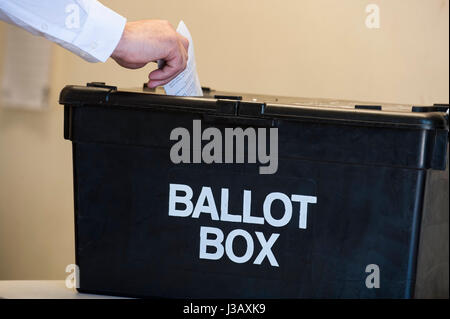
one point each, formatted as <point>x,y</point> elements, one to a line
<point>42,289</point>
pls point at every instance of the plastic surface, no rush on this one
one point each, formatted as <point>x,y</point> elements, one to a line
<point>372,173</point>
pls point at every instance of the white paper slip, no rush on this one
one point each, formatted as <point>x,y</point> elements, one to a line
<point>186,83</point>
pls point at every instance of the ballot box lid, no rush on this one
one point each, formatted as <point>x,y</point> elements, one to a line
<point>245,105</point>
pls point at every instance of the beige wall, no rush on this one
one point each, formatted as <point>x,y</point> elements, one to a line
<point>314,48</point>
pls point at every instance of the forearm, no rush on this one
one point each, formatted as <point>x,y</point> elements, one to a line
<point>87,28</point>
<point>95,32</point>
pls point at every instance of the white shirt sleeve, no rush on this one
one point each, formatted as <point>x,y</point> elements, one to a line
<point>85,27</point>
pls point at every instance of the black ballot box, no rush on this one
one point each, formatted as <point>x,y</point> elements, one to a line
<point>249,196</point>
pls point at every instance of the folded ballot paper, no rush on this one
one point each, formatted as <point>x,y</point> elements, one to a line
<point>186,83</point>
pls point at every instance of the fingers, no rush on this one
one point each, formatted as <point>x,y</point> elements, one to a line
<point>150,41</point>
<point>184,41</point>
<point>175,63</point>
<point>154,83</point>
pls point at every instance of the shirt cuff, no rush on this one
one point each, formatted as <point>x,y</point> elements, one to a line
<point>101,33</point>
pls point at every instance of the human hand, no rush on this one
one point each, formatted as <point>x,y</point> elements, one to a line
<point>149,41</point>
